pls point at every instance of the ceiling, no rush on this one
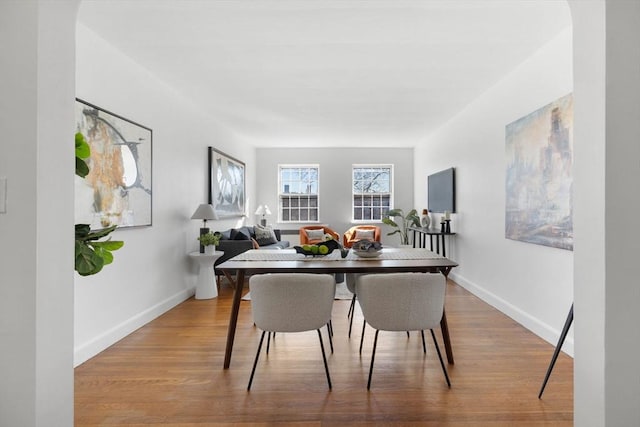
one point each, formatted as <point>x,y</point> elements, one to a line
<point>330,73</point>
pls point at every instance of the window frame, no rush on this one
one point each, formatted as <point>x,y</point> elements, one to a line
<point>354,194</point>
<point>282,194</point>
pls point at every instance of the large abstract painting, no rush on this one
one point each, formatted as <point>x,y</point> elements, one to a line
<point>117,190</point>
<point>539,151</point>
<point>226,184</point>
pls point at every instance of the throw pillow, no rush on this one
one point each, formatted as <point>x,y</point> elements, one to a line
<point>364,234</point>
<point>316,234</point>
<point>238,235</point>
<point>265,235</point>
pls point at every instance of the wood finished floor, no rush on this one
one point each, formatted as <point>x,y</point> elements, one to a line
<point>170,373</point>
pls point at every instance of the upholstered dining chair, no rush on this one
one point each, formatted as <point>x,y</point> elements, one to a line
<point>291,302</point>
<point>312,234</point>
<point>360,232</point>
<point>402,302</point>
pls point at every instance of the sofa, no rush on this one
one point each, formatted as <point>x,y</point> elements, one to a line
<point>238,240</point>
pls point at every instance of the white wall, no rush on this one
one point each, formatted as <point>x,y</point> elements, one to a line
<point>152,272</point>
<point>335,182</point>
<point>607,60</point>
<point>530,283</point>
<point>36,319</point>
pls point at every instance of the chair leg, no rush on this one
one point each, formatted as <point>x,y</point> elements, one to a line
<point>269,340</point>
<point>351,318</point>
<point>330,335</point>
<point>255,362</point>
<point>444,369</point>
<point>373,356</point>
<point>330,326</point>
<point>324,359</point>
<point>408,334</point>
<point>364,323</point>
<point>352,306</point>
<point>424,345</point>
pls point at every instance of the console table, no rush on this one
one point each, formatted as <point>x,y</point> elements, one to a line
<point>420,239</point>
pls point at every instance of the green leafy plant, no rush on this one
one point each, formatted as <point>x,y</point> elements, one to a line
<point>406,221</point>
<point>210,238</point>
<point>90,253</point>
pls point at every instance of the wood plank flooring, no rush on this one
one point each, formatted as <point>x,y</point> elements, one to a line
<point>170,373</point>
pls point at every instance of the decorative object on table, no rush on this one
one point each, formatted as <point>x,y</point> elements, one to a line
<point>204,212</point>
<point>367,248</point>
<point>209,240</point>
<point>447,222</point>
<point>264,211</point>
<point>226,184</point>
<point>90,254</point>
<point>424,219</point>
<point>117,188</point>
<point>442,225</point>
<point>539,178</point>
<point>406,221</point>
<point>319,249</point>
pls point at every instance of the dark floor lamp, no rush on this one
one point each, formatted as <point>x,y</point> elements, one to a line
<point>204,212</point>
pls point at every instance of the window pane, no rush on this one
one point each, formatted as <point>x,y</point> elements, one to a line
<point>371,191</point>
<point>301,185</point>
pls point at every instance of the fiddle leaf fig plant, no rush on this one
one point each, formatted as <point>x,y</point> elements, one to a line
<point>90,253</point>
<point>406,221</point>
<point>83,151</point>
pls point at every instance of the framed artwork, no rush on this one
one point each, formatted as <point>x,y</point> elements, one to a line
<point>539,179</point>
<point>117,190</point>
<point>226,184</point>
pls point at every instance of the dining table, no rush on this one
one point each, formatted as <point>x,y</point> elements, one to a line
<point>390,260</point>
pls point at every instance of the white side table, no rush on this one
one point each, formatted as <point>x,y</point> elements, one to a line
<point>206,286</point>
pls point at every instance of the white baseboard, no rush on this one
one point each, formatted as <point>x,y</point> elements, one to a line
<point>89,349</point>
<point>533,324</point>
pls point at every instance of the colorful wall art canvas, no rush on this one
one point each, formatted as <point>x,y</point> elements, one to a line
<point>226,184</point>
<point>117,190</point>
<point>539,152</point>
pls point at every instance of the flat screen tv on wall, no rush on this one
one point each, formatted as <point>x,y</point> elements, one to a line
<point>441,191</point>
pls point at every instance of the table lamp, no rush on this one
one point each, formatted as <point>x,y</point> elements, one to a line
<point>263,210</point>
<point>204,212</point>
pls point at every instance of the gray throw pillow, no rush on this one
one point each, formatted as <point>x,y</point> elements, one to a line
<point>265,235</point>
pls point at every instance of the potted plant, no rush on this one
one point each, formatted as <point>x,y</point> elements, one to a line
<point>406,221</point>
<point>91,254</point>
<point>209,241</point>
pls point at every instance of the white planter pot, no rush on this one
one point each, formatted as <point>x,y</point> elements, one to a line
<point>210,249</point>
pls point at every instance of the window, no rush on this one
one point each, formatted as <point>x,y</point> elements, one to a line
<point>298,193</point>
<point>371,191</point>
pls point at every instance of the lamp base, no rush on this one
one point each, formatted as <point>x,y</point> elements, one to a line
<point>203,230</point>
<point>263,222</point>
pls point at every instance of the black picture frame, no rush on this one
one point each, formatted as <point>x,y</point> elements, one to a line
<point>227,186</point>
<point>118,188</point>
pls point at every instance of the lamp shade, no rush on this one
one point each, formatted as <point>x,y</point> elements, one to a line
<point>204,212</point>
<point>263,210</point>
